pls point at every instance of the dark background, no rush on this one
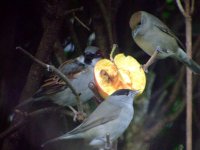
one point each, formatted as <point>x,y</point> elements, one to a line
<point>42,28</point>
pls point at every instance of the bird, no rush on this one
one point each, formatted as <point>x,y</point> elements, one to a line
<point>80,73</point>
<point>158,41</point>
<point>111,117</point>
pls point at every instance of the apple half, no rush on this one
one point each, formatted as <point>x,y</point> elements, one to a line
<point>124,72</point>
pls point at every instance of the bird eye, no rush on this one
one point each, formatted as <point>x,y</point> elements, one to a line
<point>89,57</point>
<point>139,23</point>
<point>87,61</point>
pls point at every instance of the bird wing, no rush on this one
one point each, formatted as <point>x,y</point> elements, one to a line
<point>55,84</point>
<point>166,30</point>
<point>104,113</point>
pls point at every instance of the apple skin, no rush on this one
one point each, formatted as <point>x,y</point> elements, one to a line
<point>105,82</point>
<point>100,90</point>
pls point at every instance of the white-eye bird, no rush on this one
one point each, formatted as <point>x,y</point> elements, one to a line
<point>80,73</point>
<point>111,117</point>
<point>157,40</point>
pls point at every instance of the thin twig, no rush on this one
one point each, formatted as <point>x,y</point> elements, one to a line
<point>157,106</point>
<point>84,25</point>
<point>174,93</point>
<point>108,20</point>
<point>73,10</point>
<point>112,51</point>
<point>153,132</point>
<point>59,73</point>
<point>180,6</point>
<point>188,22</point>
<point>163,92</point>
<point>192,7</point>
<point>12,129</point>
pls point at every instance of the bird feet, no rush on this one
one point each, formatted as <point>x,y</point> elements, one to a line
<point>78,116</point>
<point>108,143</point>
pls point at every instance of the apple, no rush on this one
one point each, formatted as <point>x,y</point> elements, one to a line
<point>124,72</point>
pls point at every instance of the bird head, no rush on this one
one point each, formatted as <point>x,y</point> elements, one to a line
<point>92,54</point>
<point>135,20</point>
<point>140,22</point>
<point>127,92</point>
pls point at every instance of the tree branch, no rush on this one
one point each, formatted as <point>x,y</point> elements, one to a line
<point>189,8</point>
<point>79,21</point>
<point>153,132</point>
<point>73,10</point>
<point>188,22</point>
<point>180,6</point>
<point>29,116</point>
<point>51,21</point>
<point>108,21</point>
<point>174,92</point>
<point>59,73</point>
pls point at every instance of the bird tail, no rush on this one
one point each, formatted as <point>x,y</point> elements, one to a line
<point>50,141</point>
<point>194,67</point>
<point>25,103</point>
<point>63,137</point>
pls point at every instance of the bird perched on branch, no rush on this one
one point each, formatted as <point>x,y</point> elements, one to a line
<point>157,40</point>
<point>80,73</point>
<point>111,117</point>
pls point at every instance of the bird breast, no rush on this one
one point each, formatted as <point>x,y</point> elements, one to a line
<point>155,39</point>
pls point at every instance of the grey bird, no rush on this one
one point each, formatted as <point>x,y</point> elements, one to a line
<point>157,40</point>
<point>80,73</point>
<point>112,117</point>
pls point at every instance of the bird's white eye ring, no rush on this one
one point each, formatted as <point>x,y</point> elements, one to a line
<point>135,32</point>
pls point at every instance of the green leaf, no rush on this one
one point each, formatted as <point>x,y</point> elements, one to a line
<point>179,147</point>
<point>169,1</point>
<point>165,14</point>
